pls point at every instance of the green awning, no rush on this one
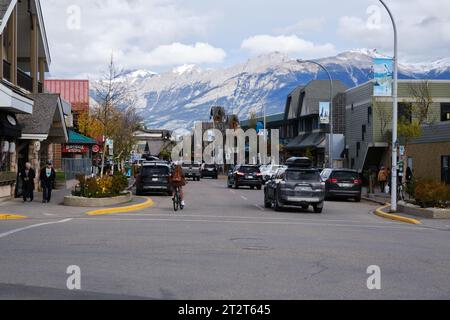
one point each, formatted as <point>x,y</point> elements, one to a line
<point>76,138</point>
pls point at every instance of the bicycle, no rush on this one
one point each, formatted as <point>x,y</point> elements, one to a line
<point>177,202</point>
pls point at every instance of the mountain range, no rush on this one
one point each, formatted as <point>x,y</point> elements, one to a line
<point>178,98</point>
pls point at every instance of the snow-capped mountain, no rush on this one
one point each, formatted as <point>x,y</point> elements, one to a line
<point>178,98</point>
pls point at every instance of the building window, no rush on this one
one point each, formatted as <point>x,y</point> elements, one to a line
<point>404,112</point>
<point>446,169</point>
<point>445,111</point>
<point>358,148</point>
<point>352,163</point>
<point>353,107</point>
<point>364,130</point>
<point>369,115</point>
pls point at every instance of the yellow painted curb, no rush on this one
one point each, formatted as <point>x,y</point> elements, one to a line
<point>11,217</point>
<point>135,207</point>
<point>379,212</point>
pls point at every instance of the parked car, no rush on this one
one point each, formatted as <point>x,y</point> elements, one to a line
<point>192,170</point>
<point>342,183</point>
<point>298,185</point>
<point>245,176</point>
<point>153,177</point>
<point>268,171</point>
<point>210,170</point>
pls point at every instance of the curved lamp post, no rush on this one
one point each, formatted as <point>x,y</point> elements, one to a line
<point>330,147</point>
<point>394,114</point>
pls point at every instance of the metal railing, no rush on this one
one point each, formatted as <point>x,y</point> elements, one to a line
<point>74,167</point>
<point>24,80</point>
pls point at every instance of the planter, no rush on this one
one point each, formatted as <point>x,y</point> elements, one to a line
<point>428,213</point>
<point>72,201</point>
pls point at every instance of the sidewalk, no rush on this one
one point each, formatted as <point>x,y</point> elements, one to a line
<point>54,209</point>
<point>377,197</point>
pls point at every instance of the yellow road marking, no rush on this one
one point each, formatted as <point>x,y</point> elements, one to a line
<point>380,212</point>
<point>135,207</point>
<point>11,217</point>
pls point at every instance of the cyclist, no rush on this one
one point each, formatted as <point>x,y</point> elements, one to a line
<point>177,180</point>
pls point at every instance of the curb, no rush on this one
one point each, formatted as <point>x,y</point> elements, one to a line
<point>11,217</point>
<point>379,212</point>
<point>131,208</point>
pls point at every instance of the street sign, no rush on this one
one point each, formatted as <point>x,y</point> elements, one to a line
<point>96,149</point>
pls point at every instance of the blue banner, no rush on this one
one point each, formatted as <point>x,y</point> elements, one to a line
<point>383,77</point>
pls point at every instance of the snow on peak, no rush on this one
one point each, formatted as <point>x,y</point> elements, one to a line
<point>186,68</point>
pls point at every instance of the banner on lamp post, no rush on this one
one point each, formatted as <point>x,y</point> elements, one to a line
<point>324,112</point>
<point>383,77</point>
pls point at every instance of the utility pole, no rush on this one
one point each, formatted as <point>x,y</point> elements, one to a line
<point>394,114</point>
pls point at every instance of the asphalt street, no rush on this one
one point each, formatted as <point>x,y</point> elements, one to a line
<point>224,245</point>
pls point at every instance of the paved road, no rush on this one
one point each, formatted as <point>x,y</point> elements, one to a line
<point>223,246</point>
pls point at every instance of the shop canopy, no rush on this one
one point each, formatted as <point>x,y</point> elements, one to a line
<point>77,138</point>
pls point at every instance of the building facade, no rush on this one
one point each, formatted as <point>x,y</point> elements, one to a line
<point>369,123</point>
<point>308,135</point>
<point>25,59</point>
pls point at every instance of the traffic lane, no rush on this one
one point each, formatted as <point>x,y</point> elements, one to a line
<point>230,201</point>
<point>195,260</point>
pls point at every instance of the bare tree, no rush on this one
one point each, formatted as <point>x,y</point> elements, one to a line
<point>113,96</point>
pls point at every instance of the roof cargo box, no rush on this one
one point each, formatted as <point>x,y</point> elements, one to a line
<point>299,162</point>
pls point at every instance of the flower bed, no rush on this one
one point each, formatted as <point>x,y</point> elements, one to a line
<point>106,187</point>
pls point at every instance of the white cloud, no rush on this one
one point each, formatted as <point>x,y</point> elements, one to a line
<point>288,44</point>
<point>423,28</point>
<point>140,33</point>
<point>303,26</point>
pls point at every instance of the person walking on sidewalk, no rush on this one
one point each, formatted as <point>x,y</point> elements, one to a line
<point>27,175</point>
<point>47,178</point>
<point>382,178</point>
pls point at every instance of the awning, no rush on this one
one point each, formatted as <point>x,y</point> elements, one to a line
<point>77,138</point>
<point>311,140</point>
<point>9,127</point>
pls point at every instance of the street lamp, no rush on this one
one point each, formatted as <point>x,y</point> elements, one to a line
<point>394,114</point>
<point>330,147</point>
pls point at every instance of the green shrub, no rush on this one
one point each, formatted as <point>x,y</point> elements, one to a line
<point>432,194</point>
<point>101,187</point>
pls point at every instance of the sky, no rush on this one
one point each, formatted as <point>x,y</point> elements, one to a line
<point>159,35</point>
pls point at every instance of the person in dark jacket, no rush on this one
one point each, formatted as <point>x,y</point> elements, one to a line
<point>27,175</point>
<point>47,178</point>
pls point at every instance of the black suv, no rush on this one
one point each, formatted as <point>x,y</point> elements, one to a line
<point>153,177</point>
<point>299,185</point>
<point>245,175</point>
<point>342,183</point>
<point>210,171</point>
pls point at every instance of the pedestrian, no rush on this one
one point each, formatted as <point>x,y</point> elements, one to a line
<point>409,175</point>
<point>382,178</point>
<point>47,178</point>
<point>27,175</point>
<point>389,179</point>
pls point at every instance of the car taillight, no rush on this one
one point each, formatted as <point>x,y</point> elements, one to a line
<point>332,181</point>
<point>259,174</point>
<point>357,181</point>
<point>240,174</point>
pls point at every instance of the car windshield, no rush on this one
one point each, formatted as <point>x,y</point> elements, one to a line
<point>156,170</point>
<point>249,170</point>
<point>345,175</point>
<point>302,175</point>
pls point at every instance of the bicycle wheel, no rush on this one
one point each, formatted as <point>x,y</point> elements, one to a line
<point>176,201</point>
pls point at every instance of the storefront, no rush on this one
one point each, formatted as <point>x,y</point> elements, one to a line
<point>10,131</point>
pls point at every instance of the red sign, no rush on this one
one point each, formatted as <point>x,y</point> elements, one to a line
<point>95,149</point>
<point>75,148</point>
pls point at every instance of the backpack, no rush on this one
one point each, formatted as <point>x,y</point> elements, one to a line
<point>177,176</point>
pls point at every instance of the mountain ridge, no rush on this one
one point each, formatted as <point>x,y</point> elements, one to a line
<point>178,98</point>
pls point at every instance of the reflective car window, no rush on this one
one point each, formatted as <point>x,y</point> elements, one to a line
<point>302,175</point>
<point>149,171</point>
<point>345,175</point>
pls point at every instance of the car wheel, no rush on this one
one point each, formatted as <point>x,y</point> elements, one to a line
<point>305,208</point>
<point>267,203</point>
<point>318,208</point>
<point>278,205</point>
<point>236,185</point>
<point>259,187</point>
<point>358,199</point>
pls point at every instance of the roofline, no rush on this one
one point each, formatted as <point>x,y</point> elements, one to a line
<point>402,81</point>
<point>7,15</point>
<point>63,119</point>
<point>43,32</point>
